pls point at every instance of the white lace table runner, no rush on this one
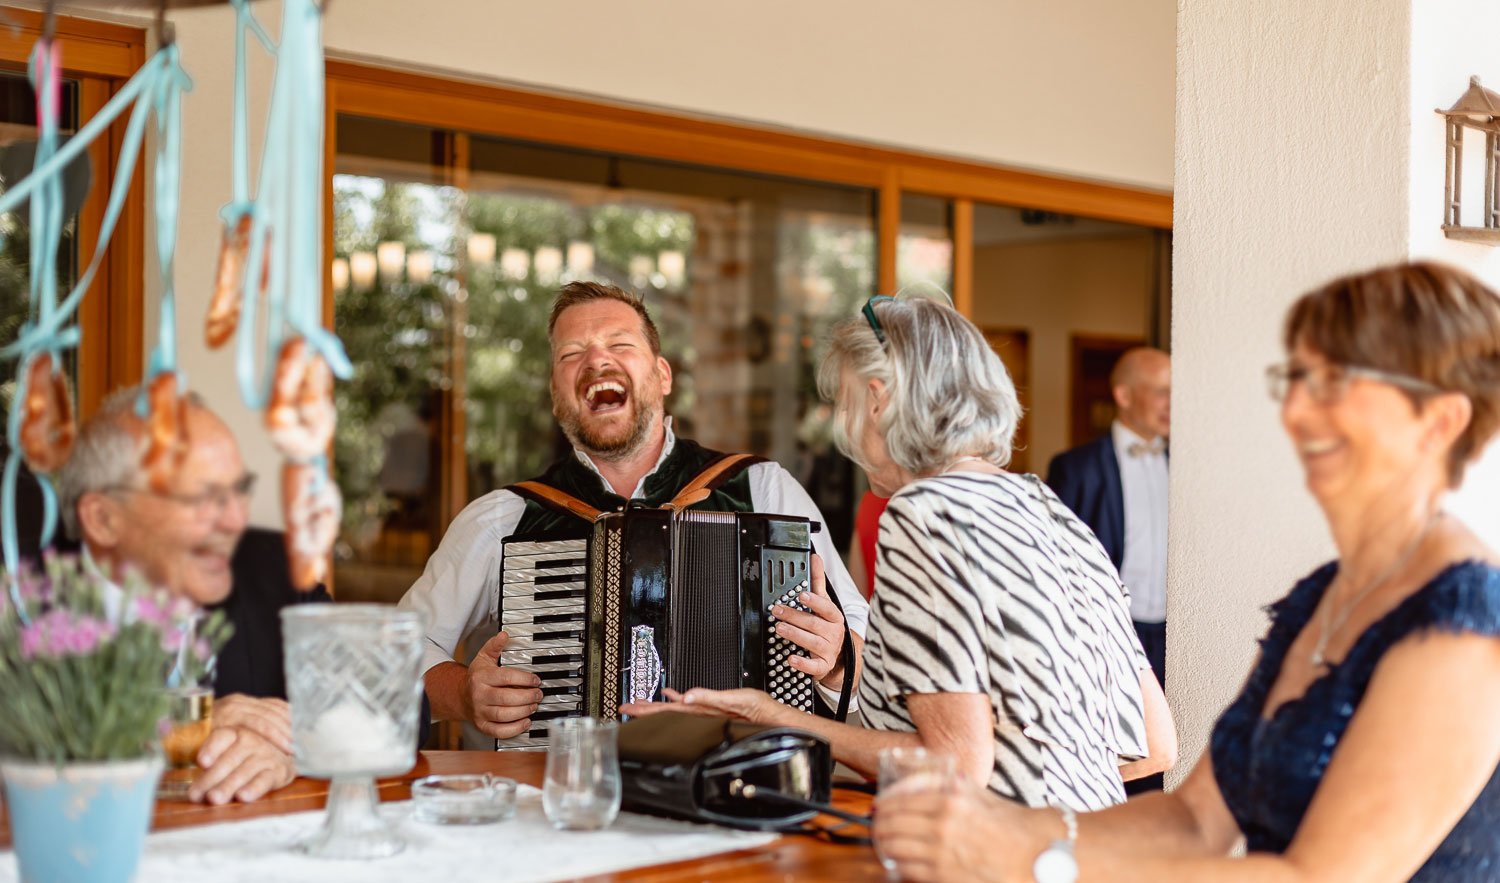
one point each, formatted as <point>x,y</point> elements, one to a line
<point>524,849</point>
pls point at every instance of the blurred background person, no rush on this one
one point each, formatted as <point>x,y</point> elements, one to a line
<point>1117,484</point>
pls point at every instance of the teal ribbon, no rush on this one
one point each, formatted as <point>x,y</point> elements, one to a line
<point>155,88</point>
<point>166,106</point>
<point>287,203</point>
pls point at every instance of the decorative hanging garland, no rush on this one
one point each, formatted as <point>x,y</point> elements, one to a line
<point>269,252</point>
<point>41,427</point>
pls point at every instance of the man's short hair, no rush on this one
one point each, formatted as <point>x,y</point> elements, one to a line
<point>575,293</point>
<point>106,454</point>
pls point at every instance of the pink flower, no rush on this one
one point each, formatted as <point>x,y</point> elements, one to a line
<point>149,609</point>
<point>201,650</point>
<point>60,632</point>
<point>171,638</point>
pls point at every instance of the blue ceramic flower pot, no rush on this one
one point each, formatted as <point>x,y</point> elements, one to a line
<point>79,823</point>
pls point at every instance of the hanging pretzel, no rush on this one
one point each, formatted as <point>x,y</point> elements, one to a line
<point>47,426</point>
<point>301,415</point>
<point>313,507</point>
<point>166,424</point>
<point>224,306</point>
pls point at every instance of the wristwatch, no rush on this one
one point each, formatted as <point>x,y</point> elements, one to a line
<point>1056,864</point>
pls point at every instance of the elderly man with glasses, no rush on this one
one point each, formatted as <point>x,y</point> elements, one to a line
<point>192,540</point>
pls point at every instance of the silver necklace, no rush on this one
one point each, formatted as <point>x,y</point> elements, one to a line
<point>1332,623</point>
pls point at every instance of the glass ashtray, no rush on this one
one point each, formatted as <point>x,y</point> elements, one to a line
<point>463,799</point>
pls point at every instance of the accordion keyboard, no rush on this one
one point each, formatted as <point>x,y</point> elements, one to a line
<point>786,685</point>
<point>544,612</point>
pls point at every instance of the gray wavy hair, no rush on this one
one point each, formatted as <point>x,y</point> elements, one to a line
<point>949,394</point>
<point>106,454</point>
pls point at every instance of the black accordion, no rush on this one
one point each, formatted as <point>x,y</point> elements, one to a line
<point>653,598</point>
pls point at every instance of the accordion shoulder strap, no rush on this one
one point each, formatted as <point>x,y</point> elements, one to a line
<point>550,496</point>
<point>712,476</point>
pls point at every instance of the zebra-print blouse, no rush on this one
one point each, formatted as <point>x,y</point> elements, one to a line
<point>989,584</point>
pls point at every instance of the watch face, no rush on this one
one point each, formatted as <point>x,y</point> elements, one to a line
<point>1056,864</point>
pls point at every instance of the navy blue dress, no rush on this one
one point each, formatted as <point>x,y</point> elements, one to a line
<point>1268,769</point>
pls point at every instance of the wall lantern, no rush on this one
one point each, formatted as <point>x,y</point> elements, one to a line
<point>1478,108</point>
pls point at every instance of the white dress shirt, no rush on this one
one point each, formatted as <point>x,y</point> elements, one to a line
<point>1143,482</point>
<point>458,590</point>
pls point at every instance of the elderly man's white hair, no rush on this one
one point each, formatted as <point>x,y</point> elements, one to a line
<point>949,394</point>
<point>106,454</point>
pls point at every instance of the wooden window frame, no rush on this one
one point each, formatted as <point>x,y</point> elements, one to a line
<point>102,57</point>
<point>477,108</point>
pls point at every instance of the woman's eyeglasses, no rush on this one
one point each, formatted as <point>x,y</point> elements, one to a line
<point>1329,384</point>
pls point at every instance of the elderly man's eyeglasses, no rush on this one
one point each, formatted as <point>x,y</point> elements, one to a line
<point>212,499</point>
<point>1329,384</point>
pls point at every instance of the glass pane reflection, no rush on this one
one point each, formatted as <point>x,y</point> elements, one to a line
<point>924,247</point>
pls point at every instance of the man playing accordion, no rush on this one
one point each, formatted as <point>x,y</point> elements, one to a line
<point>608,384</point>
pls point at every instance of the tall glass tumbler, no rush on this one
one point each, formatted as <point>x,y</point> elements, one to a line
<point>582,787</point>
<point>353,680</point>
<point>189,720</point>
<point>913,768</point>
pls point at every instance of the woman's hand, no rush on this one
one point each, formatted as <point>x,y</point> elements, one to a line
<point>964,833</point>
<point>744,704</point>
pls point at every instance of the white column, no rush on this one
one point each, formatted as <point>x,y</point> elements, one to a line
<point>1291,167</point>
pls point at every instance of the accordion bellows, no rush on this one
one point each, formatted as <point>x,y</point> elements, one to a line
<point>653,598</point>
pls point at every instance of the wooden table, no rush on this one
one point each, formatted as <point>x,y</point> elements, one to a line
<point>788,858</point>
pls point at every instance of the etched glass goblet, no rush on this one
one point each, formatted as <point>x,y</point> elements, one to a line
<point>353,680</point>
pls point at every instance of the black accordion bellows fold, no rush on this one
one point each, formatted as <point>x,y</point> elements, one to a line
<point>705,603</point>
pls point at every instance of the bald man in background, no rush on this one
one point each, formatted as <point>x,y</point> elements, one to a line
<point>1117,484</point>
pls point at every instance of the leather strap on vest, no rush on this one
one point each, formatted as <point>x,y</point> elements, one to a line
<point>550,496</point>
<point>712,476</point>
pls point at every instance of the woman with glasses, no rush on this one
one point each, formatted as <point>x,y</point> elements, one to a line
<point>999,630</point>
<point>1364,744</point>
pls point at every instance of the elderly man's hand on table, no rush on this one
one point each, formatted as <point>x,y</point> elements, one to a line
<point>238,764</point>
<point>268,718</point>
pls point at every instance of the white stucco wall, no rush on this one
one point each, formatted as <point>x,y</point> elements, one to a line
<point>1082,87</point>
<point>1292,157</point>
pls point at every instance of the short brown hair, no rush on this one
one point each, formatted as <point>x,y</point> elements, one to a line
<point>1432,322</point>
<point>575,293</point>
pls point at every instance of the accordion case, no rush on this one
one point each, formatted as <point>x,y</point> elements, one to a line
<point>651,598</point>
<point>697,768</point>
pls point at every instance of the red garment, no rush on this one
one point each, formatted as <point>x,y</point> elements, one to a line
<point>867,530</point>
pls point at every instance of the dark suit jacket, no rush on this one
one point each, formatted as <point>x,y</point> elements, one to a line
<point>251,661</point>
<point>1087,479</point>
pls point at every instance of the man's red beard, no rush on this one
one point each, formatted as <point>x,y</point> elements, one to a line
<point>622,438</point>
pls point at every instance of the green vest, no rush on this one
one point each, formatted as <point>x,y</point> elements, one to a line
<point>681,466</point>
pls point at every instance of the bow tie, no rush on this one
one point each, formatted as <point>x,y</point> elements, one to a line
<point>1141,449</point>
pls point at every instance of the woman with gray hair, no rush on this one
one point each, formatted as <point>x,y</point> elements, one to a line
<point>999,630</point>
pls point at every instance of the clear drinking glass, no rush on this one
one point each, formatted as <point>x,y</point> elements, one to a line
<point>915,768</point>
<point>189,720</point>
<point>582,790</point>
<point>353,680</point>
